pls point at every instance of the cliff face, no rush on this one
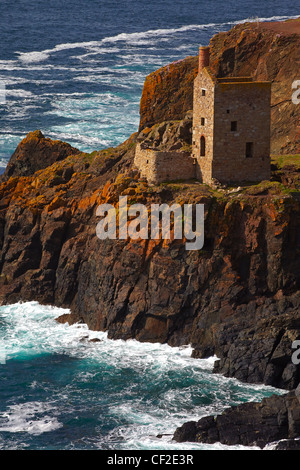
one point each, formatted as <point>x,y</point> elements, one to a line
<point>168,92</point>
<point>266,51</point>
<point>45,215</point>
<point>237,298</point>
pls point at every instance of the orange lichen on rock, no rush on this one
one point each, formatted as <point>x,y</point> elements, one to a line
<point>36,152</point>
<point>168,92</point>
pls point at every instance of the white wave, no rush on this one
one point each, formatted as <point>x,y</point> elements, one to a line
<point>34,56</point>
<point>96,51</point>
<point>29,417</point>
<point>8,64</point>
<point>19,93</point>
<point>155,33</point>
<point>40,56</point>
<point>29,329</point>
<point>127,37</point>
<point>10,81</point>
<point>137,442</point>
<point>134,38</point>
<point>272,18</point>
<point>273,445</point>
<point>75,45</point>
<point>19,66</point>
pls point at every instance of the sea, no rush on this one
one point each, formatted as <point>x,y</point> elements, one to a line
<point>75,70</point>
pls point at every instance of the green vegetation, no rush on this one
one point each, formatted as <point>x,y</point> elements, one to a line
<point>280,161</point>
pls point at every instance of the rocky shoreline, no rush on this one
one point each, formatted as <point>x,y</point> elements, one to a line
<point>237,298</point>
<point>274,419</point>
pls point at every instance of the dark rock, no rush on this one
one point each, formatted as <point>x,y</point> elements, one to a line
<point>64,318</point>
<point>287,444</point>
<point>248,424</point>
<point>36,152</point>
<point>187,432</point>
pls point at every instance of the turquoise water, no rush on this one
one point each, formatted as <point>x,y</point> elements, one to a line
<point>58,390</point>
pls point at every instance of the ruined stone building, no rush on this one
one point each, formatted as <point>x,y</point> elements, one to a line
<point>231,133</point>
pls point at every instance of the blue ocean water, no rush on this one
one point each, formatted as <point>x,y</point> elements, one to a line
<point>59,390</point>
<point>75,71</point>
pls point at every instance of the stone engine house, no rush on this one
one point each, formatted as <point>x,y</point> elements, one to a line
<point>231,133</point>
<point>231,126</point>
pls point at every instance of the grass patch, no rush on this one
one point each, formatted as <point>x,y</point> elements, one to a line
<point>281,161</point>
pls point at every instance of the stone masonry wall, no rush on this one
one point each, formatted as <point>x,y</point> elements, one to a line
<point>203,108</point>
<point>157,166</point>
<point>248,105</point>
<point>144,160</point>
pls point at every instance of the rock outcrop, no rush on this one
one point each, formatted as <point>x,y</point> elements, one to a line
<point>250,424</point>
<point>44,217</point>
<point>168,93</point>
<point>34,153</point>
<point>169,135</point>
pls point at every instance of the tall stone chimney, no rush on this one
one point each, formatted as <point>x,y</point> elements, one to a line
<point>203,57</point>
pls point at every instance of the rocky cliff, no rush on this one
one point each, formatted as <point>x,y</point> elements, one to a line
<point>237,298</point>
<point>35,153</point>
<point>266,51</point>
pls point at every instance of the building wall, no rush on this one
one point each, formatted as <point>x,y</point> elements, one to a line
<point>157,166</point>
<point>226,101</point>
<point>203,108</point>
<point>247,104</point>
<point>145,161</point>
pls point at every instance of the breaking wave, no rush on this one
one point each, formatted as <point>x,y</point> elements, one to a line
<point>101,394</point>
<point>133,38</point>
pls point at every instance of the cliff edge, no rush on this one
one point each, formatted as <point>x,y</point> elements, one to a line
<point>237,298</point>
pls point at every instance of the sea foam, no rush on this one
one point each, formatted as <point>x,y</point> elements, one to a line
<point>136,391</point>
<point>30,417</point>
<point>132,38</point>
